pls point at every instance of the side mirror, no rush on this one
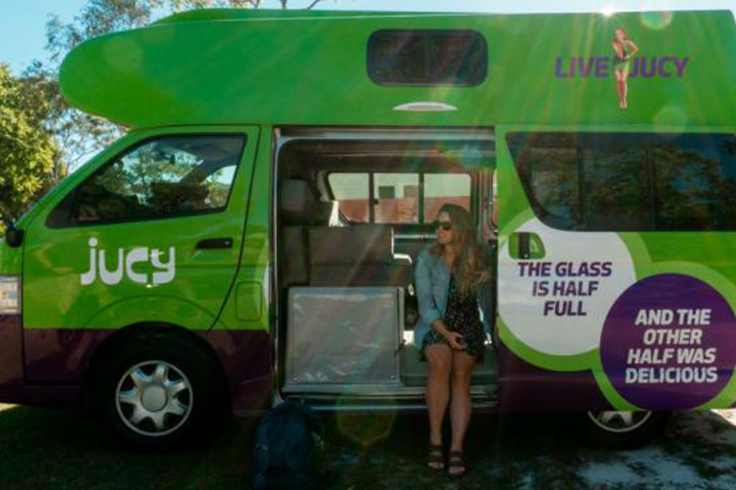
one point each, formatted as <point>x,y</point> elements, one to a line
<point>14,237</point>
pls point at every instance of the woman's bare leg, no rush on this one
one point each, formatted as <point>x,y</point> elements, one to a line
<point>619,88</point>
<point>460,409</point>
<point>439,357</point>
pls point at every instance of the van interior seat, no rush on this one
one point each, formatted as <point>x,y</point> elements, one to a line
<point>354,256</point>
<point>301,208</point>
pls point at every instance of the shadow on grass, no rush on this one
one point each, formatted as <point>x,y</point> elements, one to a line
<point>55,449</point>
<point>540,451</point>
<point>503,452</point>
<point>49,449</point>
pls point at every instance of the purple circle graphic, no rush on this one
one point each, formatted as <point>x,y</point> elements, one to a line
<point>669,343</point>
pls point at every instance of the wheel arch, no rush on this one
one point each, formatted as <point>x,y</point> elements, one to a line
<point>138,330</point>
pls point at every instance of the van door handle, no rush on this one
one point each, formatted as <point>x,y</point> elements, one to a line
<point>215,243</point>
<point>525,249</point>
<point>526,246</point>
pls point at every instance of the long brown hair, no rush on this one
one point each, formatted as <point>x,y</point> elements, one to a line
<point>470,260</point>
<point>615,39</point>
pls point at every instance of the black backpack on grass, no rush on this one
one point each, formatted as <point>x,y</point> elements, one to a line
<point>288,452</point>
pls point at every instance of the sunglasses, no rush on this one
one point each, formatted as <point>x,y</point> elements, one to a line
<point>444,225</point>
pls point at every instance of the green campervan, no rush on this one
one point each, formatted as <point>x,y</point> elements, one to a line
<point>253,237</point>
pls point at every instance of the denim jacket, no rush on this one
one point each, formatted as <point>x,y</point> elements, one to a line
<point>433,284</point>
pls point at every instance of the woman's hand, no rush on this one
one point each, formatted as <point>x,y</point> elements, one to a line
<point>634,50</point>
<point>456,341</point>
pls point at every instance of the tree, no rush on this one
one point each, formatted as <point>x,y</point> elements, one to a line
<point>80,134</point>
<point>41,136</point>
<point>27,147</point>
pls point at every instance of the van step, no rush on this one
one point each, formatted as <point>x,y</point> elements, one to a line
<point>350,398</point>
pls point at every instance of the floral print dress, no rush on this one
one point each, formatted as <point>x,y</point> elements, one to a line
<point>461,316</point>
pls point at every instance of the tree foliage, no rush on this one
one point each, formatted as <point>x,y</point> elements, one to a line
<point>100,17</point>
<point>27,147</point>
<point>80,134</point>
<point>41,136</point>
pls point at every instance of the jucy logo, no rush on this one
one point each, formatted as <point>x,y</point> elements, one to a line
<point>603,67</point>
<point>623,65</point>
<point>125,263</point>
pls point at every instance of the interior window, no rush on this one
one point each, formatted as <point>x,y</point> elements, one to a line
<point>165,177</point>
<point>351,190</point>
<point>440,189</point>
<point>396,198</point>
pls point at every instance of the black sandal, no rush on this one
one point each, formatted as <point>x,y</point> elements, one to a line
<point>435,460</point>
<point>456,460</point>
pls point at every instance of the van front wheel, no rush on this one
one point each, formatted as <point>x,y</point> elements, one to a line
<point>158,390</point>
<point>624,429</point>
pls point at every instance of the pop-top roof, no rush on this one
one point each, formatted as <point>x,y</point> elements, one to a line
<point>310,67</point>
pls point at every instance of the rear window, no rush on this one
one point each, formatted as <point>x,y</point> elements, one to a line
<point>629,182</point>
<point>427,57</point>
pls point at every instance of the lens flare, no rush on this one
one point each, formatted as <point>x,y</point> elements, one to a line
<point>608,11</point>
<point>671,119</point>
<point>366,430</point>
<point>656,20</point>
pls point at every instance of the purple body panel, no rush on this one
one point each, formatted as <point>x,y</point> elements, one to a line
<point>13,386</point>
<point>525,388</point>
<point>246,360</point>
<point>52,396</point>
<point>60,356</point>
<point>57,360</point>
<point>11,350</point>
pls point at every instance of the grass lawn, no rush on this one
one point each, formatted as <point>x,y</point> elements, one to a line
<point>48,449</point>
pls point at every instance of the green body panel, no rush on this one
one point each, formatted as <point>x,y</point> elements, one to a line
<point>202,71</point>
<point>11,260</point>
<point>271,68</point>
<point>536,247</point>
<point>56,258</point>
<point>254,266</point>
<point>709,256</point>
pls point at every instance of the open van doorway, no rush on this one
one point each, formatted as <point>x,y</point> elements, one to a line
<point>352,211</point>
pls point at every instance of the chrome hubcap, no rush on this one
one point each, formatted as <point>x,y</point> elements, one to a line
<point>619,421</point>
<point>154,398</point>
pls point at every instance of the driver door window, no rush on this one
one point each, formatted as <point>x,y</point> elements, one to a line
<point>161,178</point>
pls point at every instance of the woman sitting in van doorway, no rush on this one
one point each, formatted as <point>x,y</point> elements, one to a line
<point>452,275</point>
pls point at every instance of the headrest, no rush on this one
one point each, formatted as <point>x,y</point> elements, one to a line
<point>364,244</point>
<point>298,203</point>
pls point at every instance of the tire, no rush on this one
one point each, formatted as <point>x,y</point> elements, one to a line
<point>624,430</point>
<point>158,390</point>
